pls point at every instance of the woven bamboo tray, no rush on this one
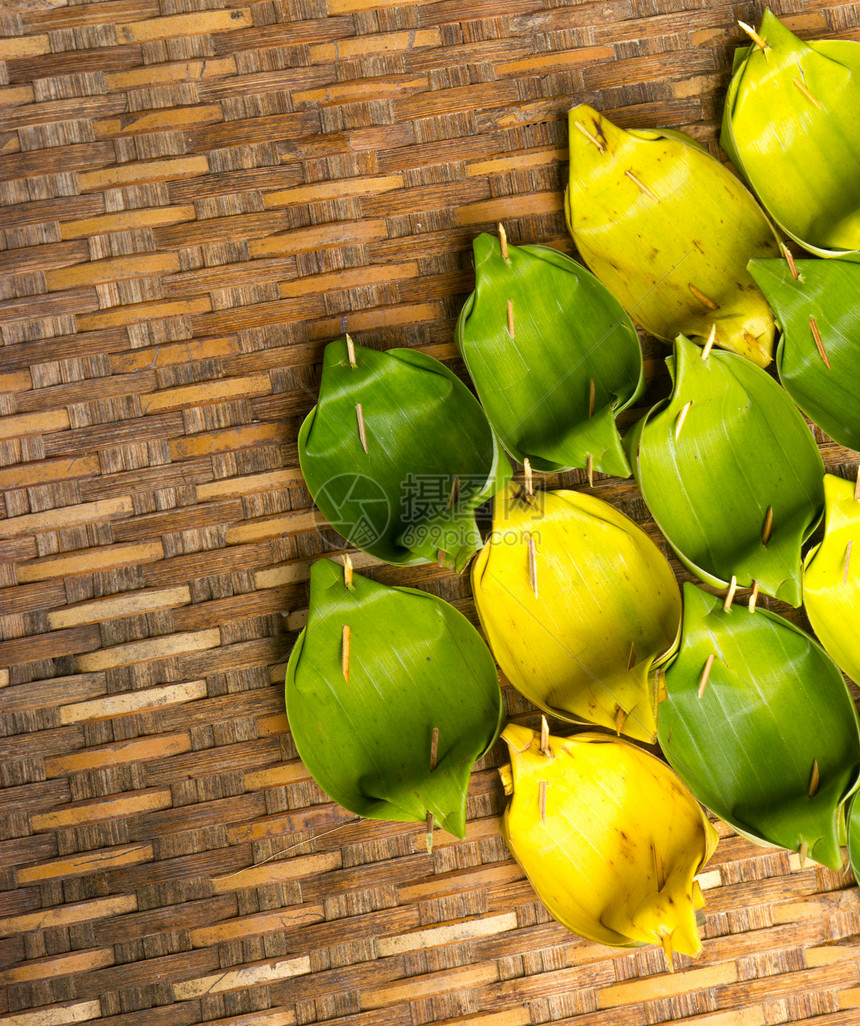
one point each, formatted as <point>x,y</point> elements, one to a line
<point>196,196</point>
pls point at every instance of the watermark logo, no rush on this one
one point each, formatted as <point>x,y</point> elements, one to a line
<point>357,507</point>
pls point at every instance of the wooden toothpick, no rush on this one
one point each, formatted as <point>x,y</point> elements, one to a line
<point>544,737</point>
<point>542,800</point>
<point>801,85</point>
<point>362,434</point>
<point>530,542</point>
<point>753,597</point>
<point>601,146</point>
<point>706,301</point>
<point>592,396</point>
<point>792,266</point>
<point>344,652</point>
<point>589,470</point>
<point>347,571</point>
<point>703,680</point>
<point>709,345</point>
<point>527,473</point>
<point>768,526</point>
<point>642,187</point>
<point>754,36</point>
<point>434,748</point>
<point>350,352</point>
<point>511,318</point>
<point>503,240</point>
<point>814,779</point>
<point>682,416</point>
<point>730,594</point>
<point>816,334</point>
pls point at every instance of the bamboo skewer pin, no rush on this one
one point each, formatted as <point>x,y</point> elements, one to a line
<point>848,548</point>
<point>347,571</point>
<point>544,738</point>
<point>703,680</point>
<point>768,526</point>
<point>511,318</point>
<point>682,416</point>
<point>589,470</point>
<point>815,779</point>
<point>642,187</point>
<point>503,240</point>
<point>754,36</point>
<point>709,345</point>
<point>542,800</point>
<point>753,596</point>
<point>730,594</point>
<point>434,748</point>
<point>801,85</point>
<point>528,479</point>
<point>706,301</point>
<point>601,146</point>
<point>350,352</point>
<point>816,334</point>
<point>620,720</point>
<point>792,266</point>
<point>362,434</point>
<point>802,851</point>
<point>592,396</point>
<point>344,653</point>
<point>429,835</point>
<point>530,542</point>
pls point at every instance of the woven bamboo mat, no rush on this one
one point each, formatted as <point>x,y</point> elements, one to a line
<point>196,196</point>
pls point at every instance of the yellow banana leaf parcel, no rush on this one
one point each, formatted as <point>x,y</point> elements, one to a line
<point>553,356</point>
<point>790,127</point>
<point>391,696</point>
<point>669,230</point>
<point>818,357</point>
<point>759,724</point>
<point>579,607</point>
<point>831,577</point>
<point>608,836</point>
<point>397,454</point>
<point>731,472</point>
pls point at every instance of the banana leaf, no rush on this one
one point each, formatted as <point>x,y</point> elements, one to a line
<point>608,836</point>
<point>818,357</point>
<point>579,607</point>
<point>669,231</point>
<point>397,454</point>
<point>731,472</point>
<point>772,745</point>
<point>790,127</point>
<point>365,705</point>
<point>831,577</point>
<point>553,388</point>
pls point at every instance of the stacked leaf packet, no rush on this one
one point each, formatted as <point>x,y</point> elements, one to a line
<point>731,473</point>
<point>817,307</point>
<point>759,724</point>
<point>579,607</point>
<point>391,696</point>
<point>790,127</point>
<point>553,356</point>
<point>608,836</point>
<point>398,454</point>
<point>831,577</point>
<point>669,231</point>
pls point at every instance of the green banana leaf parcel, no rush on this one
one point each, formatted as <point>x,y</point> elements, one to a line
<point>771,743</point>
<point>553,356</point>
<point>365,704</point>
<point>790,127</point>
<point>731,472</point>
<point>397,454</point>
<point>818,357</point>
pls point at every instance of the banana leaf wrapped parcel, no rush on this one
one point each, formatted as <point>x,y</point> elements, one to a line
<point>579,607</point>
<point>669,230</point>
<point>391,696</point>
<point>609,837</point>
<point>553,356</point>
<point>731,472</point>
<point>397,454</point>
<point>831,577</point>
<point>817,306</point>
<point>790,127</point>
<point>759,724</point>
